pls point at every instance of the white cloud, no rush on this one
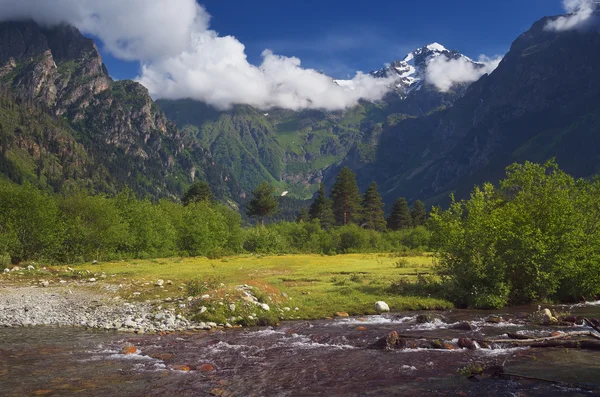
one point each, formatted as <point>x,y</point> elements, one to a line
<point>444,72</point>
<point>580,11</point>
<point>181,57</point>
<point>129,29</point>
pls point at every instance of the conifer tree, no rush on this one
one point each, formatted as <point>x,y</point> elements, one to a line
<point>418,213</point>
<point>263,203</point>
<point>400,217</point>
<point>346,197</point>
<point>303,216</point>
<point>372,209</point>
<point>198,191</point>
<point>321,209</point>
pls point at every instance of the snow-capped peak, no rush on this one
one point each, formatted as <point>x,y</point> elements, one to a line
<point>436,47</point>
<point>409,73</point>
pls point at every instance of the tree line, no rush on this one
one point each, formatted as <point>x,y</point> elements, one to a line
<point>76,227</point>
<point>344,206</point>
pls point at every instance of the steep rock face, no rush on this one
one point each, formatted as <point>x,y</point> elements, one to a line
<point>118,122</point>
<point>542,101</point>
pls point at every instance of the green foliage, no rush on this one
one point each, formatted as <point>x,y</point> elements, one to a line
<point>372,209</point>
<point>418,213</point>
<point>79,227</point>
<point>400,216</point>
<point>535,239</point>
<point>30,225</point>
<point>263,202</point>
<point>303,216</point>
<point>346,197</point>
<point>94,228</point>
<point>322,210</point>
<point>262,240</point>
<point>198,191</point>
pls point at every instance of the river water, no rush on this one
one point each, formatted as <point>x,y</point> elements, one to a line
<point>305,358</point>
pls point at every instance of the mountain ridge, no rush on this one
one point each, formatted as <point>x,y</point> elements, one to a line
<point>117,121</point>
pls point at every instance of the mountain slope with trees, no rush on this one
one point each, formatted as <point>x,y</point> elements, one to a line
<point>60,72</point>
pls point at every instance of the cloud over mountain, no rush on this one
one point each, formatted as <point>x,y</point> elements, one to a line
<point>444,72</point>
<point>580,12</point>
<point>182,57</point>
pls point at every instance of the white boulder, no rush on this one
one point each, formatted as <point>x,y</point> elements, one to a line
<point>381,307</point>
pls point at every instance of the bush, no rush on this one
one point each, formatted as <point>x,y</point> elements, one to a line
<point>535,239</point>
<point>263,240</point>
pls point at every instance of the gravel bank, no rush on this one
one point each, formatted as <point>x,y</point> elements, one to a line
<point>81,307</point>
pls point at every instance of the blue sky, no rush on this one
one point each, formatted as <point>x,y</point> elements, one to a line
<point>341,37</point>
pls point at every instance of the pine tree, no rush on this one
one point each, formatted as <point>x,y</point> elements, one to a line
<point>263,203</point>
<point>400,217</point>
<point>321,209</point>
<point>372,209</point>
<point>418,213</point>
<point>346,197</point>
<point>303,216</point>
<point>198,191</point>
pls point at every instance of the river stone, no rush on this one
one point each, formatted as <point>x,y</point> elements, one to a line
<point>30,268</point>
<point>429,318</point>
<point>6,271</point>
<point>381,307</point>
<point>465,343</point>
<point>390,341</point>
<point>264,306</point>
<point>464,326</point>
<point>232,307</point>
<point>494,320</point>
<point>159,283</point>
<point>44,283</point>
<point>130,324</point>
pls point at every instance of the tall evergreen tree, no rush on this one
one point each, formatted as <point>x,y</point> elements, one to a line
<point>346,197</point>
<point>321,209</point>
<point>198,191</point>
<point>263,203</point>
<point>400,217</point>
<point>303,216</point>
<point>418,213</point>
<point>372,209</point>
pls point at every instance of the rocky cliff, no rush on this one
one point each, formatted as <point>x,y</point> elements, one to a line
<point>117,122</point>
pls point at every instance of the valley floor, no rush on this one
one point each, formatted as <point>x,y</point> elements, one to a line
<point>192,293</point>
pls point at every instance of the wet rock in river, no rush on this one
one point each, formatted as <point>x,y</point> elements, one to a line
<point>464,326</point>
<point>465,343</point>
<point>129,350</point>
<point>430,318</point>
<point>390,341</point>
<point>494,320</point>
<point>342,314</point>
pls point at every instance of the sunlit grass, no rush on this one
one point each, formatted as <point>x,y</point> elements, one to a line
<point>318,285</point>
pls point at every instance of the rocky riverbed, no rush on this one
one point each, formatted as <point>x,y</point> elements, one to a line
<point>62,297</point>
<point>83,307</point>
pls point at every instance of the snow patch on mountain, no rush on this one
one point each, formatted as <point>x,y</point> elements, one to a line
<point>436,66</point>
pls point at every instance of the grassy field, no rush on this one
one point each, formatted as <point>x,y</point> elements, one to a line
<point>319,286</point>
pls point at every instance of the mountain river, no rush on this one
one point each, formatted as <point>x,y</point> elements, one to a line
<point>303,358</point>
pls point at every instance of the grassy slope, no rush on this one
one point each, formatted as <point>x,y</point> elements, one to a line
<point>318,285</point>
